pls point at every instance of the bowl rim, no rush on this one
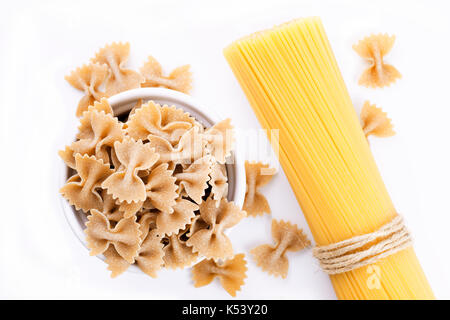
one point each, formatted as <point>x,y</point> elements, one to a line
<point>180,100</point>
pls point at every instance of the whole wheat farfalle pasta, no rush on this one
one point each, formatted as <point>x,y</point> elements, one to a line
<point>179,79</point>
<point>150,256</point>
<point>142,178</point>
<point>125,236</point>
<point>115,55</point>
<point>231,273</point>
<point>116,263</point>
<point>194,179</point>
<point>374,48</point>
<point>88,78</point>
<point>375,122</point>
<point>125,184</point>
<point>212,242</point>
<point>167,122</point>
<point>220,139</point>
<point>272,258</point>
<point>81,190</point>
<point>183,212</point>
<point>177,254</point>
<point>257,175</point>
<point>218,181</point>
<point>190,148</point>
<point>102,105</point>
<point>161,188</point>
<point>97,132</point>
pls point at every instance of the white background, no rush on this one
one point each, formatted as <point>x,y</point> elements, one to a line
<point>41,41</point>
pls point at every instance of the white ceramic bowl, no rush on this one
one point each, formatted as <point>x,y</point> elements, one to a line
<point>122,103</point>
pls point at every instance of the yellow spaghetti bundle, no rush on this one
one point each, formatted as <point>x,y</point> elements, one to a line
<point>291,78</point>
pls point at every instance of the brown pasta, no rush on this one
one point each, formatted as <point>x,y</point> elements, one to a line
<point>161,188</point>
<point>120,79</point>
<point>88,78</point>
<point>231,273</point>
<point>257,175</point>
<point>375,122</point>
<point>373,49</point>
<point>167,122</point>
<point>218,181</point>
<point>177,254</point>
<point>212,242</point>
<point>124,236</point>
<point>182,215</point>
<point>195,178</point>
<point>102,105</point>
<point>81,190</point>
<point>97,132</point>
<point>287,237</point>
<point>150,257</point>
<point>220,139</point>
<point>134,156</point>
<point>179,79</point>
<point>142,183</point>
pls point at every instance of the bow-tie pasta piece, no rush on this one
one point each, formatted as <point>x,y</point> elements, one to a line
<point>375,122</point>
<point>102,105</point>
<point>177,254</point>
<point>167,122</point>
<point>161,188</point>
<point>218,181</point>
<point>68,157</point>
<point>373,49</point>
<point>220,139</point>
<point>116,264</point>
<point>110,208</point>
<point>196,224</point>
<point>150,257</point>
<point>189,149</point>
<point>182,215</point>
<point>180,79</point>
<point>120,79</point>
<point>125,236</point>
<point>88,78</point>
<point>231,273</point>
<point>257,175</point>
<point>195,178</point>
<point>212,242</point>
<point>125,184</point>
<point>287,237</point>
<point>130,209</point>
<point>81,190</point>
<point>98,131</point>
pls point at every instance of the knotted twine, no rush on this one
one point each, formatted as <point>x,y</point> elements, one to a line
<point>344,256</point>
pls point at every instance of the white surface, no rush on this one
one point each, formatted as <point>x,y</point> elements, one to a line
<point>42,41</point>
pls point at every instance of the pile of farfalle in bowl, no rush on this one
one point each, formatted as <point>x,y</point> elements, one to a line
<point>154,187</point>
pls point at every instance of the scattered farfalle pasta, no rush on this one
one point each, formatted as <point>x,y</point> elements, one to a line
<point>120,78</point>
<point>179,79</point>
<point>212,242</point>
<point>272,258</point>
<point>374,48</point>
<point>153,188</point>
<point>375,122</point>
<point>257,175</point>
<point>88,78</point>
<point>231,273</point>
<point>106,75</point>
